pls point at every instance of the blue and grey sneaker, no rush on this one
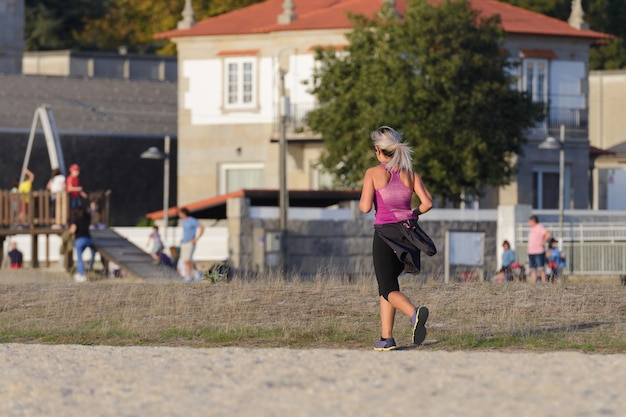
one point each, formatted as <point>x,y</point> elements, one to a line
<point>418,323</point>
<point>198,276</point>
<point>385,344</point>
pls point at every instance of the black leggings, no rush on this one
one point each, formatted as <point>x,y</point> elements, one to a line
<point>387,267</point>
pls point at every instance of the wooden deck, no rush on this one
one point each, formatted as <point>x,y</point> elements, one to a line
<point>38,221</point>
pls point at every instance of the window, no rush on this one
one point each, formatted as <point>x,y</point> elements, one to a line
<point>320,179</point>
<point>234,177</point>
<point>546,188</point>
<point>535,84</point>
<point>240,83</point>
<point>534,79</point>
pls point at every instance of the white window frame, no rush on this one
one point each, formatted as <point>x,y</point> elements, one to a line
<point>241,101</point>
<point>319,180</point>
<point>225,167</point>
<point>538,95</point>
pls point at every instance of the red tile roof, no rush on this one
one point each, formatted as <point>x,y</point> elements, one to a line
<point>297,198</point>
<point>331,14</point>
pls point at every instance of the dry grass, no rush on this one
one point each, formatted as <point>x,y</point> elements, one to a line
<point>273,312</point>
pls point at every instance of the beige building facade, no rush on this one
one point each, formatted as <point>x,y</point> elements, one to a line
<point>607,131</point>
<point>231,70</point>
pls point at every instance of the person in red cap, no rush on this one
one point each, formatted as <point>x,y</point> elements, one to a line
<point>74,188</point>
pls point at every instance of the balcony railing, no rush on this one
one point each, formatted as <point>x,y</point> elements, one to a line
<point>569,110</point>
<point>297,121</point>
<point>575,119</point>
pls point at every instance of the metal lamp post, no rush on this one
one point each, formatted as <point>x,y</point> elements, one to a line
<point>554,144</point>
<point>154,153</point>
<point>284,113</point>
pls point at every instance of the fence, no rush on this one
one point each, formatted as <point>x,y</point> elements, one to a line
<point>36,209</point>
<point>598,248</point>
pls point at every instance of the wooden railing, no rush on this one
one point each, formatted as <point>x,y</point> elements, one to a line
<point>35,210</point>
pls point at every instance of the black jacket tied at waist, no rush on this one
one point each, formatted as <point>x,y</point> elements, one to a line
<point>408,240</point>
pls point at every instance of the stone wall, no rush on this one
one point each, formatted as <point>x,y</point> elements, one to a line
<point>334,247</point>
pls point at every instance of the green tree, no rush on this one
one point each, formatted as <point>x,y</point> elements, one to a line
<point>109,24</point>
<point>133,23</point>
<point>52,24</point>
<point>440,77</point>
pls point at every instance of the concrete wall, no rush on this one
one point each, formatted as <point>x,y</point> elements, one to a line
<point>67,63</point>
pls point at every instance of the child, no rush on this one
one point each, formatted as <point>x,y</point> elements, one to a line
<point>556,261</point>
<point>24,190</point>
<point>157,245</point>
<point>15,256</point>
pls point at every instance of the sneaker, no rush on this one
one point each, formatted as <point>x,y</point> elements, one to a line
<point>80,278</point>
<point>198,276</point>
<point>156,262</point>
<point>418,323</point>
<point>385,344</point>
<point>186,280</point>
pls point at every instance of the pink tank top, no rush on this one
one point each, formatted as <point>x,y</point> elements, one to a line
<point>393,201</point>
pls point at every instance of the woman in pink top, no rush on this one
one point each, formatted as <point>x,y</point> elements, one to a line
<point>389,187</point>
<point>538,236</point>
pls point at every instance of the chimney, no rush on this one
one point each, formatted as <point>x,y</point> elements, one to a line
<point>576,16</point>
<point>288,15</point>
<point>188,20</point>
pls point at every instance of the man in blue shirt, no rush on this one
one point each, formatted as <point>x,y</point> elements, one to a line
<point>192,231</point>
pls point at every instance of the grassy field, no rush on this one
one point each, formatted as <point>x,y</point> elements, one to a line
<point>39,307</point>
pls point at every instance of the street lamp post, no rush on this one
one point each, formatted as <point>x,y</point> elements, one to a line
<point>154,153</point>
<point>283,198</point>
<point>284,113</point>
<point>552,143</point>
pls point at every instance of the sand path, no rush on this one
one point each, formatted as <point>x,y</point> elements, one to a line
<point>39,380</point>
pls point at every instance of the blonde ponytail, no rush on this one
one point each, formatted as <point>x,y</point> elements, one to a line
<point>390,143</point>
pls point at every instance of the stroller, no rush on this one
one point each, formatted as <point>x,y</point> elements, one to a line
<point>515,272</point>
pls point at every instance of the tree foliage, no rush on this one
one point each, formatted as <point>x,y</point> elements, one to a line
<point>106,25</point>
<point>439,76</point>
<point>53,24</point>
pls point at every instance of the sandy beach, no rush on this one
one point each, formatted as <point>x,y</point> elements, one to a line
<point>39,380</point>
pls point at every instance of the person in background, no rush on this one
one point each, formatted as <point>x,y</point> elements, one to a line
<point>192,231</point>
<point>389,187</point>
<point>508,257</point>
<point>15,257</point>
<point>56,186</point>
<point>79,226</point>
<point>24,190</point>
<point>73,187</point>
<point>555,259</point>
<point>538,236</point>
<point>157,245</point>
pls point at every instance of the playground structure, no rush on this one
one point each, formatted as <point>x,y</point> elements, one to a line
<point>37,214</point>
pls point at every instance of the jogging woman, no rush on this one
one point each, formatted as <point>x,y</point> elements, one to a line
<point>388,188</point>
